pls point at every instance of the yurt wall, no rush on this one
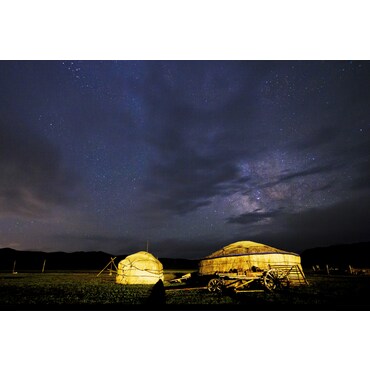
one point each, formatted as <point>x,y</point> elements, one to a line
<point>245,263</point>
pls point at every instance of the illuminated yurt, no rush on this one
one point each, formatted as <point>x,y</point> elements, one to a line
<point>248,258</point>
<point>139,268</point>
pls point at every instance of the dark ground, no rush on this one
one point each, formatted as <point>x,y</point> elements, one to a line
<point>86,291</point>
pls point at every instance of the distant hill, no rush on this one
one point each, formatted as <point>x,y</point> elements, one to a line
<point>33,261</point>
<point>357,255</point>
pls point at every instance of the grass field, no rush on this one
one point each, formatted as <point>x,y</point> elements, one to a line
<point>68,290</point>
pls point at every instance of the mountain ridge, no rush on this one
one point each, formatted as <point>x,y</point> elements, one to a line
<point>340,255</point>
<point>80,260</point>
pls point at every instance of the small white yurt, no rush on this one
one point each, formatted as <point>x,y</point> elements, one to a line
<point>139,268</point>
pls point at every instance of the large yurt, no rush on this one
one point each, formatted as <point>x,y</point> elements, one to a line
<point>248,258</point>
<point>139,268</point>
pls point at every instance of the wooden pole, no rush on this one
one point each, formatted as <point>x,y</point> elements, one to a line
<point>106,266</point>
<point>14,267</point>
<point>147,245</point>
<point>43,266</point>
<point>302,274</point>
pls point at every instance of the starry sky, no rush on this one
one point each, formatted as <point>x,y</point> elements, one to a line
<point>187,156</point>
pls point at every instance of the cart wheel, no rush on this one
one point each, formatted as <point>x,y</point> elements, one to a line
<point>275,279</point>
<point>271,279</point>
<point>215,285</point>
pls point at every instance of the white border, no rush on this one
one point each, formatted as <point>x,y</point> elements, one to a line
<point>184,30</point>
<point>201,29</point>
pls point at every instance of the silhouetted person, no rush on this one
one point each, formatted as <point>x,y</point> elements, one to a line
<point>158,294</point>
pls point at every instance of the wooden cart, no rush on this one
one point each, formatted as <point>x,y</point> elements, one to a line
<point>277,277</point>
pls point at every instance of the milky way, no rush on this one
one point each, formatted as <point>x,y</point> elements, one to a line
<point>188,155</point>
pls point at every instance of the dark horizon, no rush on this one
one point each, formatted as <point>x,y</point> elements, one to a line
<point>188,155</point>
<point>340,247</point>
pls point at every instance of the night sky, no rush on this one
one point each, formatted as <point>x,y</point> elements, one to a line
<point>188,155</point>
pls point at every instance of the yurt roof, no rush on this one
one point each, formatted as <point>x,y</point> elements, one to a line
<point>141,256</point>
<point>245,247</point>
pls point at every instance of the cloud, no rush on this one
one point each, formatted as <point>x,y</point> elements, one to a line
<point>299,174</point>
<point>33,179</point>
<point>203,128</point>
<point>342,222</point>
<point>322,135</point>
<point>188,181</point>
<point>330,185</point>
<point>199,136</point>
<point>253,217</point>
<point>362,180</point>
